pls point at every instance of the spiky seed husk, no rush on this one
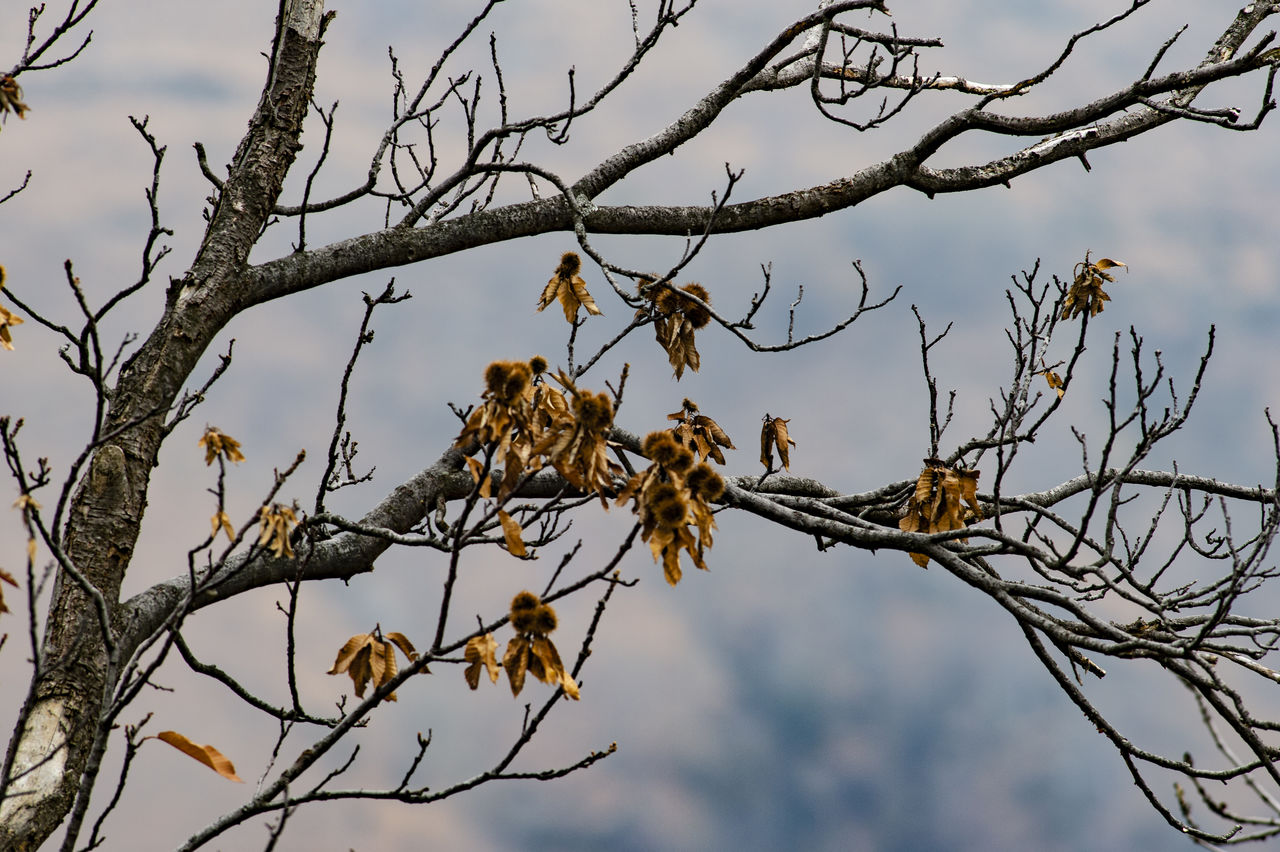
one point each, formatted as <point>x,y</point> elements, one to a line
<point>570,265</point>
<point>681,461</point>
<point>660,447</point>
<point>525,600</point>
<point>523,620</point>
<point>545,619</point>
<point>705,482</point>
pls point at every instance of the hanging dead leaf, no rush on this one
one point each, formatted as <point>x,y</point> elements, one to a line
<point>6,577</point>
<point>27,503</point>
<point>569,288</point>
<point>11,97</point>
<point>516,662</point>
<point>215,442</point>
<point>575,441</point>
<point>7,321</point>
<point>481,652</point>
<point>1055,382</point>
<point>669,495</point>
<point>206,754</point>
<point>774,433</point>
<point>699,432</point>
<point>222,522</point>
<point>944,500</point>
<point>1086,293</point>
<point>369,657</point>
<point>406,647</point>
<point>511,532</point>
<point>273,525</point>
<point>677,313</point>
<point>552,669</point>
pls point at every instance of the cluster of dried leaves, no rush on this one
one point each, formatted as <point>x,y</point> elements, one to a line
<point>274,523</point>
<point>530,651</point>
<point>528,423</point>
<point>7,320</point>
<point>569,289</point>
<point>675,491</point>
<point>945,499</point>
<point>216,442</point>
<point>11,98</point>
<point>1054,380</point>
<point>699,432</point>
<point>677,314</point>
<point>371,658</point>
<point>1086,293</point>
<point>773,433</point>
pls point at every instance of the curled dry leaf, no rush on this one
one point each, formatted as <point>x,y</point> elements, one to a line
<point>529,425</point>
<point>206,754</point>
<point>215,442</point>
<point>511,532</point>
<point>774,434</point>
<point>1055,382</point>
<point>481,653</point>
<point>516,662</point>
<point>1086,293</point>
<point>528,652</point>
<point>11,97</point>
<point>7,321</point>
<point>669,496</point>
<point>677,314</point>
<point>222,522</point>
<point>945,499</point>
<point>699,432</point>
<point>569,288</point>
<point>273,525</point>
<point>371,658</point>
<point>5,577</point>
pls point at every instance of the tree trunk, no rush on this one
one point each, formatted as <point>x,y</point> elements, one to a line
<point>69,711</point>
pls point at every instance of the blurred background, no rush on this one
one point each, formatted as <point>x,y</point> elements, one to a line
<point>789,698</point>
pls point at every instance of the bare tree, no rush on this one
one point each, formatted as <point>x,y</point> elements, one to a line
<point>1091,581</point>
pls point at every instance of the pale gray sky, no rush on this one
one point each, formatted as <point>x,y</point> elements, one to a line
<point>788,698</point>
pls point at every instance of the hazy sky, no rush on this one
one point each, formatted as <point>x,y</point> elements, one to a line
<point>789,698</point>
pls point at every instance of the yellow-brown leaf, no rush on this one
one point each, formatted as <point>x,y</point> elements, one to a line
<point>511,532</point>
<point>206,754</point>
<point>405,646</point>
<point>222,522</point>
<point>1055,382</point>
<point>516,662</point>
<point>481,652</point>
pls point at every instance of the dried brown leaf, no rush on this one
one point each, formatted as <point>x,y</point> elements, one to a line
<point>1086,293</point>
<point>273,525</point>
<point>215,442</point>
<point>6,577</point>
<point>481,652</point>
<point>406,647</point>
<point>516,662</point>
<point>511,532</point>
<point>222,522</point>
<point>365,658</point>
<point>7,321</point>
<point>774,433</point>
<point>206,754</point>
<point>1055,382</point>
<point>569,288</point>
